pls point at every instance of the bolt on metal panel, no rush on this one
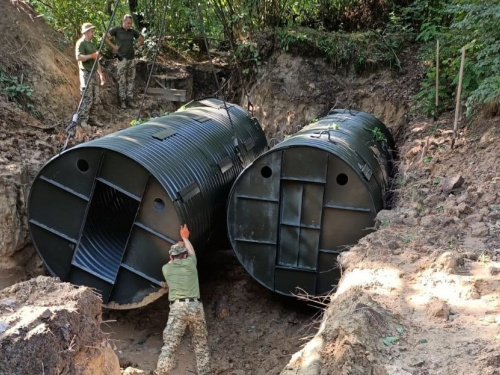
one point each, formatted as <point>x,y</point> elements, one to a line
<point>104,213</point>
<point>300,204</point>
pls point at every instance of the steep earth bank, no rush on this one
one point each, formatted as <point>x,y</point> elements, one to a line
<point>418,296</point>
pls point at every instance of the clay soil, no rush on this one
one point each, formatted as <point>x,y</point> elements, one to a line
<point>419,295</point>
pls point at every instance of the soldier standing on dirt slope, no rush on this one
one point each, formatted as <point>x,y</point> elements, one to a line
<point>124,49</point>
<point>86,53</point>
<point>186,308</point>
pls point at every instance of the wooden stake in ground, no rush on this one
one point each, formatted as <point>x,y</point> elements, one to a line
<point>459,91</point>
<point>436,103</point>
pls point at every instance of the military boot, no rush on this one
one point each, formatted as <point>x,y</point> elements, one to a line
<point>95,122</point>
<point>130,103</point>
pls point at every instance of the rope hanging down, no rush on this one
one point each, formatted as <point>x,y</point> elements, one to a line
<point>236,142</point>
<point>238,68</point>
<point>154,59</point>
<point>71,128</point>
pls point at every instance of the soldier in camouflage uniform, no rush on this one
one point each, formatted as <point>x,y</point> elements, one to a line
<point>86,53</point>
<point>124,49</point>
<point>186,309</point>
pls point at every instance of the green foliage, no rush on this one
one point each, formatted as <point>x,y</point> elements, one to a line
<point>142,120</point>
<point>248,55</point>
<point>138,121</point>
<point>484,257</point>
<point>361,50</point>
<point>16,90</point>
<point>338,15</point>
<point>67,16</point>
<point>472,24</point>
<point>377,135</point>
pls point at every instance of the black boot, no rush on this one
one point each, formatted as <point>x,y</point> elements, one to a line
<point>130,103</point>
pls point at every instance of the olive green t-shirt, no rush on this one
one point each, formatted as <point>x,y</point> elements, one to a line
<point>85,48</point>
<point>182,278</point>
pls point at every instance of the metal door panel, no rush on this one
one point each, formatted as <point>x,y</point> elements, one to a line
<point>308,248</point>
<point>344,187</point>
<point>256,221</point>
<point>259,260</point>
<point>78,276</point>
<point>342,228</point>
<point>289,281</point>
<point>291,194</point>
<point>329,272</point>
<point>147,253</point>
<point>305,164</point>
<point>289,246</point>
<point>58,261</point>
<point>158,212</point>
<point>312,204</point>
<point>58,209</point>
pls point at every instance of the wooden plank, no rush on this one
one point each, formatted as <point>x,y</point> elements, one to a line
<point>169,94</point>
<point>159,83</point>
<point>163,76</point>
<point>459,92</point>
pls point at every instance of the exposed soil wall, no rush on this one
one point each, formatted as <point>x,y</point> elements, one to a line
<point>418,296</point>
<point>51,328</point>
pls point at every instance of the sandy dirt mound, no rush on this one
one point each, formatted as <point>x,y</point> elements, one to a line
<point>48,327</point>
<point>349,338</point>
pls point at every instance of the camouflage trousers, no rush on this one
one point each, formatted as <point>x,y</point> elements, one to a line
<point>125,70</point>
<point>91,96</point>
<point>182,315</point>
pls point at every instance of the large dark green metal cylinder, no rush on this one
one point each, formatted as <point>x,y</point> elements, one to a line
<point>300,204</point>
<point>105,213</point>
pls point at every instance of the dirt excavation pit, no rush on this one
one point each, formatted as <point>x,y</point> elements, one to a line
<point>418,296</point>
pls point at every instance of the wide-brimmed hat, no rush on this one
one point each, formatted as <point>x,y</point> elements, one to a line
<point>177,249</point>
<point>86,27</point>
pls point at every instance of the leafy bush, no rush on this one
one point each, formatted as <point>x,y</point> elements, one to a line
<point>361,50</point>
<point>472,24</point>
<point>67,16</point>
<point>16,90</point>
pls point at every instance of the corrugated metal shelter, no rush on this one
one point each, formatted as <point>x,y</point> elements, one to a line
<point>105,213</point>
<point>300,204</point>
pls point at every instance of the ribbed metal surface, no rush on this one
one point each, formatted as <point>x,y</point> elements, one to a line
<point>297,206</point>
<point>105,212</point>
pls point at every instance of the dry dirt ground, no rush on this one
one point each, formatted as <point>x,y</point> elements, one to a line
<point>420,295</point>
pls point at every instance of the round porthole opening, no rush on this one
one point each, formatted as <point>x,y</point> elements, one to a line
<point>342,179</point>
<point>159,204</point>
<point>82,165</point>
<point>266,172</point>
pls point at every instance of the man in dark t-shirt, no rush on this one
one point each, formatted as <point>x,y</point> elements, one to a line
<point>124,37</point>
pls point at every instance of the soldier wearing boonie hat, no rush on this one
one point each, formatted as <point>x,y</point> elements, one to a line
<point>86,27</point>
<point>186,308</point>
<point>177,249</point>
<point>86,53</point>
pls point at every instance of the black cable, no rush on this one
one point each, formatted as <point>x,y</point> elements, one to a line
<point>154,60</point>
<point>236,142</point>
<point>71,128</point>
